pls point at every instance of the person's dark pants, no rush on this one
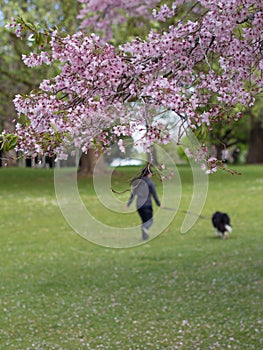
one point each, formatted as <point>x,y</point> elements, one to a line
<point>146,215</point>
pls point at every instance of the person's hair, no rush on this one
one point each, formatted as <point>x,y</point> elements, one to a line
<point>144,172</point>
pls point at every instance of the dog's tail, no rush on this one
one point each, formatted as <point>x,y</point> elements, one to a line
<point>228,228</point>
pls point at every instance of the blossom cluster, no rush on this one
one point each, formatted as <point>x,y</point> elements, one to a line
<point>200,69</point>
<point>112,12</point>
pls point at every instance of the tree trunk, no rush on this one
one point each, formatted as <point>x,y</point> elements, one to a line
<point>219,151</point>
<point>10,158</point>
<point>87,163</point>
<point>255,152</point>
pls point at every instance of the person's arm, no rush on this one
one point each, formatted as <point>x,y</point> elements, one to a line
<point>154,193</point>
<point>133,193</point>
<point>130,199</point>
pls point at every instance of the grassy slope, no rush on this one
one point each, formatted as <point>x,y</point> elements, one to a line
<point>190,291</point>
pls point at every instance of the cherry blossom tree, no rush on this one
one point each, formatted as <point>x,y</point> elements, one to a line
<point>203,70</point>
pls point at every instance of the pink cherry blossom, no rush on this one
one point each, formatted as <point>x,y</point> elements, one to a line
<point>108,12</point>
<point>201,69</point>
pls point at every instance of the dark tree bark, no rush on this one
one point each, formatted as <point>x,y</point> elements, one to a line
<point>255,152</point>
<point>87,163</point>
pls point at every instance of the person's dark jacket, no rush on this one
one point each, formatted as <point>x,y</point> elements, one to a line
<point>144,189</point>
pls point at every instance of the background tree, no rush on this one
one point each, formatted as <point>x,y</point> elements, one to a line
<point>246,135</point>
<point>224,136</point>
<point>255,117</point>
<point>15,75</point>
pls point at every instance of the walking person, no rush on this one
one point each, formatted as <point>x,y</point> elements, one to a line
<point>235,155</point>
<point>144,188</point>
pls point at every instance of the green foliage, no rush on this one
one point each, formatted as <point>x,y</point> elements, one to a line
<point>191,291</point>
<point>38,35</point>
<point>184,143</point>
<point>141,27</point>
<point>255,113</point>
<point>8,142</point>
<point>46,12</point>
<point>37,16</point>
<point>23,120</point>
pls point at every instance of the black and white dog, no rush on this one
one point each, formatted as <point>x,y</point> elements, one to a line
<point>221,222</point>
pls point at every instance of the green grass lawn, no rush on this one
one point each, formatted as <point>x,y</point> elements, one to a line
<point>179,291</point>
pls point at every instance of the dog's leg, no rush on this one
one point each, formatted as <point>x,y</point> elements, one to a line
<point>218,233</point>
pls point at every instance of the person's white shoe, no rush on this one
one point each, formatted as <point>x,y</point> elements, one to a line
<point>145,234</point>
